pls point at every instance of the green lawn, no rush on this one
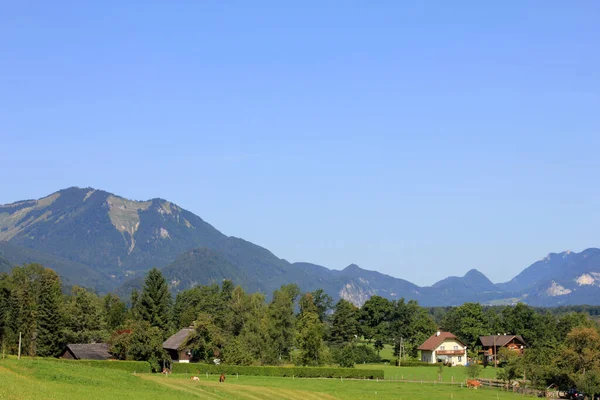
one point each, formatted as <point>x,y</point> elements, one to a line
<point>387,353</point>
<point>449,374</point>
<point>42,379</point>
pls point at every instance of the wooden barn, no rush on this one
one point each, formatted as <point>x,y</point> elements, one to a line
<point>491,345</point>
<point>94,351</point>
<point>176,346</point>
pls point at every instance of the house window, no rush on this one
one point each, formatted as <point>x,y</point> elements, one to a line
<point>442,347</point>
<point>459,358</point>
<point>455,347</point>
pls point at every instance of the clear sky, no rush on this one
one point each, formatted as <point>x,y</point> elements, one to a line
<point>417,138</point>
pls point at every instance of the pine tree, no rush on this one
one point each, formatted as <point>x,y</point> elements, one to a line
<point>155,302</point>
<point>26,312</point>
<point>135,305</point>
<point>4,311</point>
<point>48,341</point>
<point>11,331</point>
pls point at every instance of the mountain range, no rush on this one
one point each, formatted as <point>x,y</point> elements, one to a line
<point>105,242</point>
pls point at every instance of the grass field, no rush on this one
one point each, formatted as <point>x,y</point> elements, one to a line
<point>449,374</point>
<point>42,379</point>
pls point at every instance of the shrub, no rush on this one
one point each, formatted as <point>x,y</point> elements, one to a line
<point>346,357</point>
<point>415,363</point>
<point>473,370</point>
<point>366,354</point>
<point>350,354</point>
<point>129,366</point>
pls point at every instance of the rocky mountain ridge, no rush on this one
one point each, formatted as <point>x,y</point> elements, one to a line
<point>103,241</point>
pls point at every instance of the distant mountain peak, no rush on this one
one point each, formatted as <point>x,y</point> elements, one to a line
<point>98,239</point>
<point>352,268</point>
<point>472,280</point>
<point>474,273</point>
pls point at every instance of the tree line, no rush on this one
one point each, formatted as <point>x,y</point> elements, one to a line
<point>292,327</point>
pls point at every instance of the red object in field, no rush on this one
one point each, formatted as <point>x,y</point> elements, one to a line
<point>473,383</point>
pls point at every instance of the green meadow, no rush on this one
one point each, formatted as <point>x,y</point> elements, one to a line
<point>448,375</point>
<point>44,379</point>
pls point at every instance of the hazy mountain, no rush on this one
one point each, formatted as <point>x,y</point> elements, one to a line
<point>472,281</point>
<point>72,273</point>
<point>563,278</point>
<point>551,267</point>
<point>120,237</point>
<point>472,287</point>
<point>99,240</point>
<point>5,265</point>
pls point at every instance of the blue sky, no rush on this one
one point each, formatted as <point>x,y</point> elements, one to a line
<point>419,139</point>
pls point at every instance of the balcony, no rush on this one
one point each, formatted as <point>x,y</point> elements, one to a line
<point>450,353</point>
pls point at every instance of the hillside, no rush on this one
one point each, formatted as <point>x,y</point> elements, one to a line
<point>103,241</point>
<point>72,273</point>
<point>5,265</point>
<point>563,278</point>
<point>122,238</point>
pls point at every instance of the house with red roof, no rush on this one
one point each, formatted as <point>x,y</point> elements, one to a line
<point>443,347</point>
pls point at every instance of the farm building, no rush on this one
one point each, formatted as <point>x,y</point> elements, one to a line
<point>94,351</point>
<point>491,345</point>
<point>176,346</point>
<point>444,347</point>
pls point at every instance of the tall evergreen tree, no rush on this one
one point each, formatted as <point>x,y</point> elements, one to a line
<point>25,287</point>
<point>4,310</point>
<point>155,301</point>
<point>135,303</point>
<point>49,339</point>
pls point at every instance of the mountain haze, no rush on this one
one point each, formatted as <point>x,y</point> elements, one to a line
<point>96,239</point>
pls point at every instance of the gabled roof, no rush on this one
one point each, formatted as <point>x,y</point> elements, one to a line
<point>177,340</point>
<point>498,340</point>
<point>435,340</point>
<point>94,351</point>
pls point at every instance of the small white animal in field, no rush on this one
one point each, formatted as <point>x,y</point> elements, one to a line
<point>195,378</point>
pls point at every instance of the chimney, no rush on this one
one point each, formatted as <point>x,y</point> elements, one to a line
<point>438,333</point>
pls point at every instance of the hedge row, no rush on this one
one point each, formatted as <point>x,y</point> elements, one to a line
<point>297,372</point>
<point>416,363</point>
<point>129,366</point>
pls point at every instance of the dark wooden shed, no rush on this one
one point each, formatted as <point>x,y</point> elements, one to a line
<point>176,346</point>
<point>93,351</point>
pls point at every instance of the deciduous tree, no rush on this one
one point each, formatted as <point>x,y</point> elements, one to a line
<point>344,322</point>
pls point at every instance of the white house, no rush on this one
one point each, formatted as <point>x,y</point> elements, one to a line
<point>444,347</point>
